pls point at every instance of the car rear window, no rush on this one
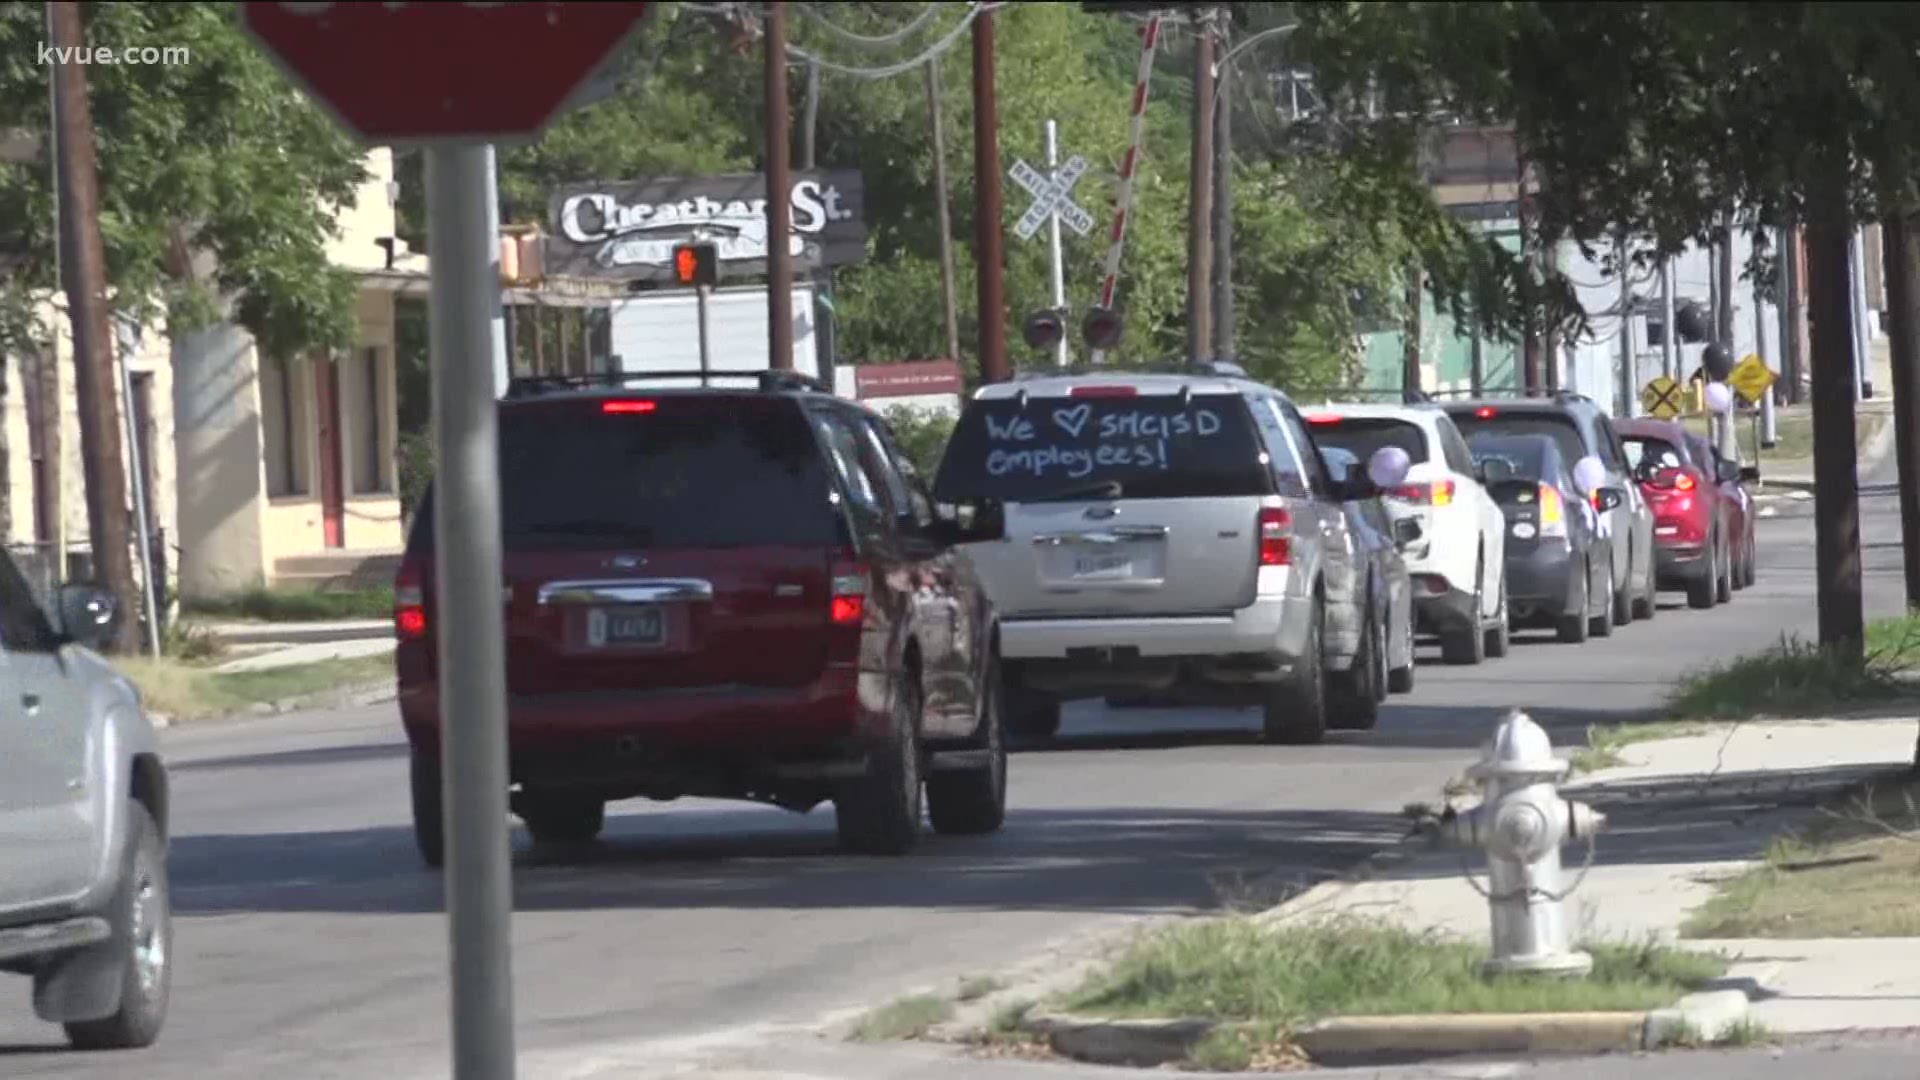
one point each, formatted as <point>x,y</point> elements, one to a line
<point>1645,451</point>
<point>1364,436</point>
<point>699,472</point>
<point>1525,459</point>
<point>1561,429</point>
<point>1149,447</point>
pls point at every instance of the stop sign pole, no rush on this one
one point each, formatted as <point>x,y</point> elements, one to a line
<point>456,78</point>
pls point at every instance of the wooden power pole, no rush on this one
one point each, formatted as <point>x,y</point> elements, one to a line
<point>986,205</point>
<point>84,261</point>
<point>1410,380</point>
<point>949,302</point>
<point>1836,494</point>
<point>779,192</point>
<point>1900,239</point>
<point>1200,196</point>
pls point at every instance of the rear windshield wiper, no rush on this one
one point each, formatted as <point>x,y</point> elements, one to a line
<point>1099,489</point>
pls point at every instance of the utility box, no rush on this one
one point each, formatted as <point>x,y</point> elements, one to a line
<point>660,331</point>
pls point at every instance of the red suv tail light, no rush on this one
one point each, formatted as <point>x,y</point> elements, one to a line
<point>847,600</point>
<point>1276,536</point>
<point>1438,493</point>
<point>409,603</point>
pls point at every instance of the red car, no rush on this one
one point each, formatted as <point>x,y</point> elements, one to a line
<point>740,594</point>
<point>1703,519</point>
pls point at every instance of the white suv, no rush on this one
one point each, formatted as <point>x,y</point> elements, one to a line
<point>1458,565</point>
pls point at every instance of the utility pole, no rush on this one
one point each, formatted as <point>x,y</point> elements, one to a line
<point>949,302</point>
<point>779,193</point>
<point>85,264</point>
<point>1670,335</point>
<point>1723,293</point>
<point>1223,327</point>
<point>1901,252</point>
<point>1836,495</point>
<point>986,207</point>
<point>1551,355</point>
<point>1530,345</point>
<point>1862,332</point>
<point>1768,434</point>
<point>1626,383</point>
<point>1056,273</point>
<point>1794,312</point>
<point>1410,380</point>
<point>1200,195</point>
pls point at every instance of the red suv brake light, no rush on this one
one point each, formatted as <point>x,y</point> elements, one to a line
<point>409,604</point>
<point>847,599</point>
<point>1276,536</point>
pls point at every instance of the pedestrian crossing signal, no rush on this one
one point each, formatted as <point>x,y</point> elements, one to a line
<point>696,264</point>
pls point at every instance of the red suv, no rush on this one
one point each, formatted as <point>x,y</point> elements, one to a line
<point>739,594</point>
<point>1703,535</point>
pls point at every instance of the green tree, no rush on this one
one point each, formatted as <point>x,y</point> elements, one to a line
<point>217,157</point>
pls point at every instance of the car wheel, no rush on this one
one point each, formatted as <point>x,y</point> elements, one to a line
<point>879,814</point>
<point>1295,713</point>
<point>1647,604</point>
<point>1602,624</point>
<point>562,819</point>
<point>968,802</point>
<point>1400,679</point>
<point>1753,558</point>
<point>1354,704</point>
<point>142,919</point>
<point>1467,644</point>
<point>1622,608</point>
<point>1704,591</point>
<point>1572,626</point>
<point>1500,637</point>
<point>429,826</point>
<point>1723,590</point>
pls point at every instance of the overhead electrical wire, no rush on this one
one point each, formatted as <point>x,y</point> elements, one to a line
<point>933,52</point>
<point>812,11</point>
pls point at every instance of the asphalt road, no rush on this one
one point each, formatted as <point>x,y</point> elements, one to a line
<point>310,941</point>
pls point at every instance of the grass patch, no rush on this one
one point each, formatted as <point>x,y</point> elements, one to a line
<point>1849,873</point>
<point>1799,679</point>
<point>975,987</point>
<point>1793,433</point>
<point>1231,969</point>
<point>1605,741</point>
<point>299,605</point>
<point>189,692</point>
<point>1008,1018</point>
<point>907,1018</point>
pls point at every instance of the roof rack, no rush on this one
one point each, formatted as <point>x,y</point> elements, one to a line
<point>1220,369</point>
<point>1512,392</point>
<point>1406,397</point>
<point>764,381</point>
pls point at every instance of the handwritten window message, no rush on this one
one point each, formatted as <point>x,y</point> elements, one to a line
<point>1071,441</point>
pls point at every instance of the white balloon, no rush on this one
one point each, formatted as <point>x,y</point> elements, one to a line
<point>1590,474</point>
<point>1388,467</point>
<point>1719,397</point>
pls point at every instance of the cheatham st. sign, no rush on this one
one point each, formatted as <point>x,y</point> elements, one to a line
<point>628,230</point>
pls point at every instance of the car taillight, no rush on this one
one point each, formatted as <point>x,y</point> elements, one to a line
<point>1553,514</point>
<point>1484,412</point>
<point>1683,481</point>
<point>1324,419</point>
<point>627,408</point>
<point>1276,536</point>
<point>1103,391</point>
<point>847,602</point>
<point>409,604</point>
<point>1438,493</point>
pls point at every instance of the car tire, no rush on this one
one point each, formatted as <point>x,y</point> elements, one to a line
<point>141,916</point>
<point>879,814</point>
<point>1601,625</point>
<point>1400,679</point>
<point>1467,644</point>
<point>974,801</point>
<point>1354,704</point>
<point>1723,590</point>
<point>429,825</point>
<point>562,819</point>
<point>1752,561</point>
<point>1573,626</point>
<point>1500,636</point>
<point>1295,713</point>
<point>1704,591</point>
<point>1621,610</point>
<point>1647,604</point>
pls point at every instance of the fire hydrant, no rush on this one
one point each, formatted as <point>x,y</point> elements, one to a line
<point>1521,823</point>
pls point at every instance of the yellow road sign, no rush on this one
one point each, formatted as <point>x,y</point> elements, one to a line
<point>1661,397</point>
<point>1750,378</point>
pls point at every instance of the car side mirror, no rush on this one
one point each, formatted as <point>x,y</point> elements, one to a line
<point>1729,473</point>
<point>1406,532</point>
<point>1608,498</point>
<point>1750,474</point>
<point>87,615</point>
<point>969,523</point>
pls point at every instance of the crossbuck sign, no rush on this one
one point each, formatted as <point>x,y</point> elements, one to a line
<point>1050,197</point>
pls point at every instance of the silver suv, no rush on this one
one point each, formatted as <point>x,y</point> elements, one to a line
<point>83,814</point>
<point>1164,533</point>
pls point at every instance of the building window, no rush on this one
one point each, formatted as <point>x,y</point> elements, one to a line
<point>284,425</point>
<point>366,402</point>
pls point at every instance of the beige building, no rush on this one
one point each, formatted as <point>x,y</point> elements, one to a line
<point>287,466</point>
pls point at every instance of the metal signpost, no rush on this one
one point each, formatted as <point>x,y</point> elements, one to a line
<point>1051,206</point>
<point>428,74</point>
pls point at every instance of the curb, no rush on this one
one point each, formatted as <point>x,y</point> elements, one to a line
<point>347,698</point>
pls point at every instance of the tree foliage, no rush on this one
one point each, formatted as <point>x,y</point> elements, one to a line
<point>217,157</point>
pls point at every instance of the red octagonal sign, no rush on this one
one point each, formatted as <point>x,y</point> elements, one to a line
<point>400,73</point>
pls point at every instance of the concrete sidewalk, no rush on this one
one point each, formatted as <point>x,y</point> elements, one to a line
<point>296,633</point>
<point>312,652</point>
<point>1684,814</point>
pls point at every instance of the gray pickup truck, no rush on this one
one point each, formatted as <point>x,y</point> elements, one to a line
<point>83,823</point>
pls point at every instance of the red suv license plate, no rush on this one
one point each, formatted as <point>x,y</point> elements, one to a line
<point>626,627</point>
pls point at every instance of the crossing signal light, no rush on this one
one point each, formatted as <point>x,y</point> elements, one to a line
<point>696,264</point>
<point>1102,328</point>
<point>1044,328</point>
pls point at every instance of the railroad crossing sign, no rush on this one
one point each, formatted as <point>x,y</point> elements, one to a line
<point>1050,197</point>
<point>1662,398</point>
<point>1751,377</point>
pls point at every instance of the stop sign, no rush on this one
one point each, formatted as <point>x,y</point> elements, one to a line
<point>399,72</point>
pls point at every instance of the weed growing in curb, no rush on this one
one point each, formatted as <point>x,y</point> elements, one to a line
<point>907,1018</point>
<point>975,987</point>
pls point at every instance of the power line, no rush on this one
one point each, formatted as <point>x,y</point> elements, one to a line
<point>933,52</point>
<point>812,11</point>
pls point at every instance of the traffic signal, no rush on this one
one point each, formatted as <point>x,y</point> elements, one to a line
<point>696,264</point>
<point>1044,328</point>
<point>1102,328</point>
